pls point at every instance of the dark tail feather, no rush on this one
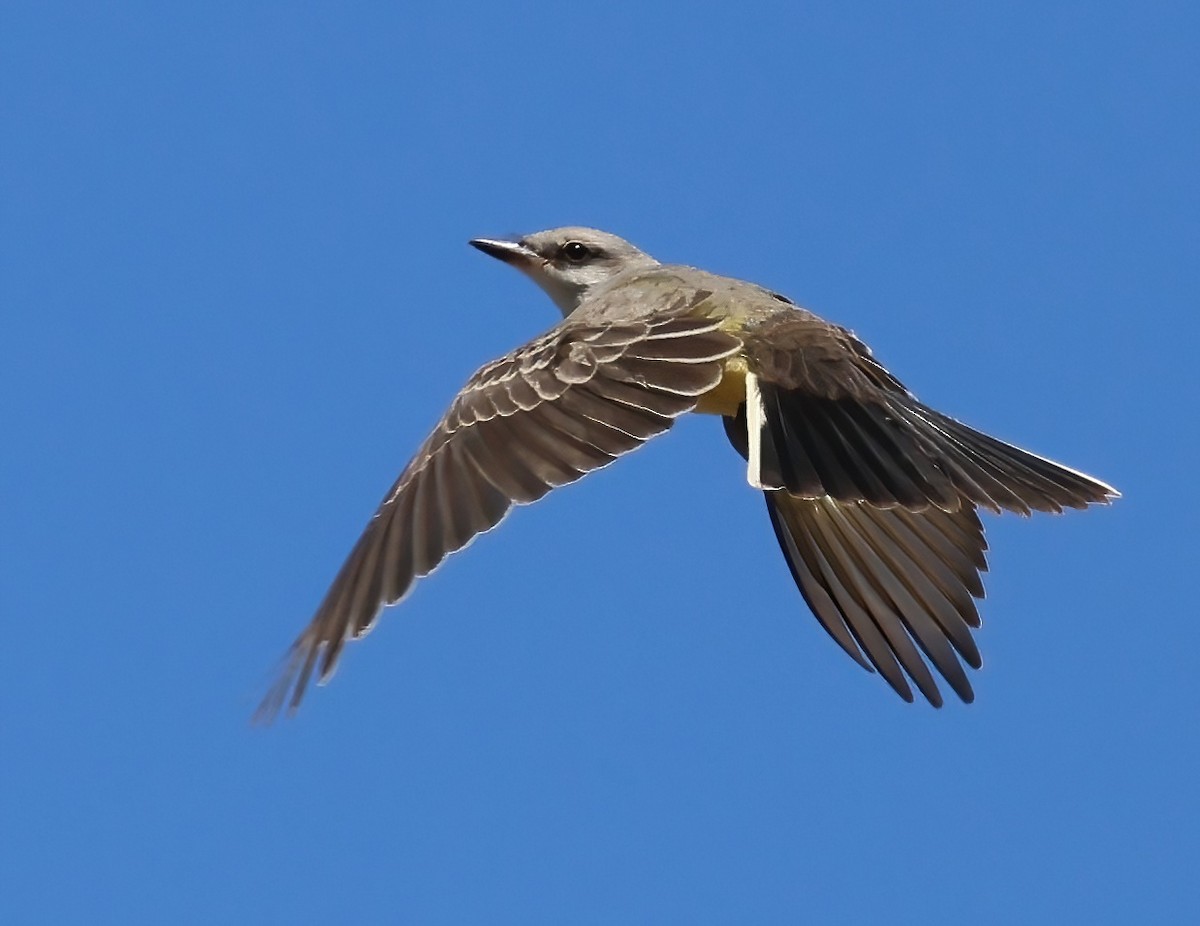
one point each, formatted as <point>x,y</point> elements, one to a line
<point>1036,482</point>
<point>891,451</point>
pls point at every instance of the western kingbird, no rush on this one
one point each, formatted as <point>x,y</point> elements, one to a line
<point>871,493</point>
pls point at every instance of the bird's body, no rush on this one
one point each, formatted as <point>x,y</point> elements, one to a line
<point>872,495</point>
<point>728,395</point>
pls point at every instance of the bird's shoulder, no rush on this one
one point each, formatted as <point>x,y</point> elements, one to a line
<point>783,342</point>
<point>800,350</point>
<point>664,290</point>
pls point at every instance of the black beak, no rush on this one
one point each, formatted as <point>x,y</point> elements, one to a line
<point>511,252</point>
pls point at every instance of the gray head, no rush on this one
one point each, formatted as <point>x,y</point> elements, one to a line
<point>568,262</point>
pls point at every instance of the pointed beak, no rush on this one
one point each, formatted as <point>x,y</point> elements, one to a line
<point>511,252</point>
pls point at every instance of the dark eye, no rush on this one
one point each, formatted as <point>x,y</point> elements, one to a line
<point>575,251</point>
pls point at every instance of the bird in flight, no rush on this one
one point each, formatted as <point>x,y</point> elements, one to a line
<point>872,495</point>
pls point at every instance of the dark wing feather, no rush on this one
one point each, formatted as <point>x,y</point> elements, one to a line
<point>875,508</point>
<point>889,581</point>
<point>568,403</point>
<point>886,583</point>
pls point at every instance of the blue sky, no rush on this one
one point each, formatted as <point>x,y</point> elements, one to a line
<point>237,293</point>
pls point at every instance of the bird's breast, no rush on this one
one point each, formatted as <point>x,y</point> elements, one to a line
<point>725,397</point>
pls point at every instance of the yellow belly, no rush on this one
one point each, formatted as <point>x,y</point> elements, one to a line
<point>725,397</point>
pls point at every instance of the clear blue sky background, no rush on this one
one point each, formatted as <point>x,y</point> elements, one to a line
<point>236,294</point>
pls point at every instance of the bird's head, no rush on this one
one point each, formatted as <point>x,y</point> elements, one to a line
<point>569,262</point>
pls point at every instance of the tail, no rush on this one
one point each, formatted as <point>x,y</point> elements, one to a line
<point>874,508</point>
<point>892,450</point>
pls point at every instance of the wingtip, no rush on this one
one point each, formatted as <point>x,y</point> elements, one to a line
<point>292,675</point>
<point>268,710</point>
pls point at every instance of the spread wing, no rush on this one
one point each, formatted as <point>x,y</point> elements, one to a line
<point>887,582</point>
<point>569,402</point>
<point>890,583</point>
<point>873,497</point>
